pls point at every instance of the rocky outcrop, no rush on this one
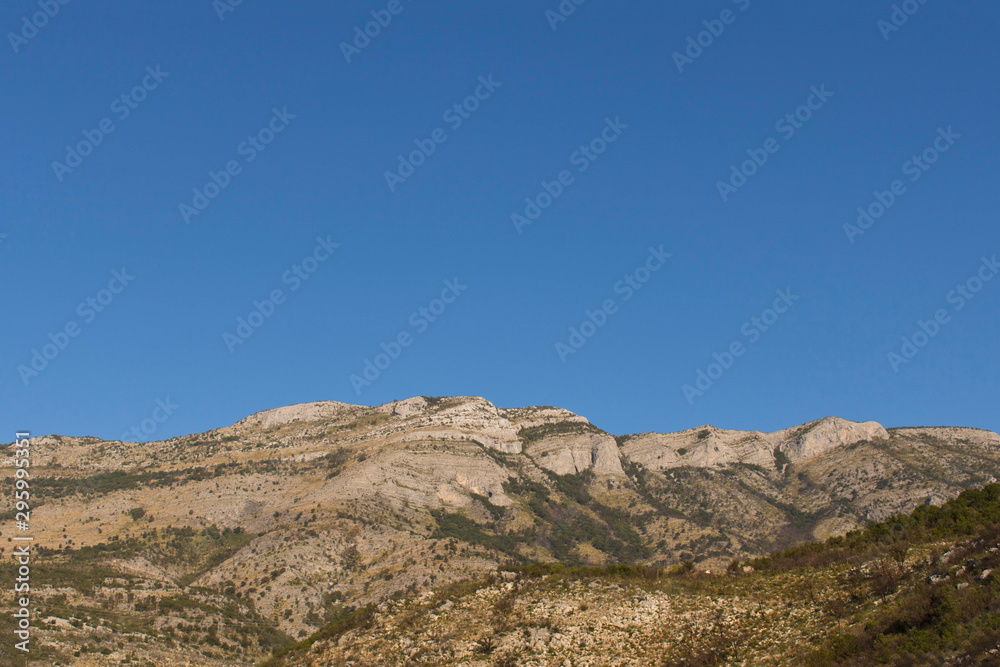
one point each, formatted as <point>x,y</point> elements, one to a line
<point>707,447</point>
<point>304,412</point>
<point>822,436</point>
<point>571,454</point>
<point>702,447</point>
<point>528,418</point>
<point>465,416</point>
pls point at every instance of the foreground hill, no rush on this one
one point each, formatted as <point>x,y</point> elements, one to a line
<point>220,547</point>
<point>915,590</point>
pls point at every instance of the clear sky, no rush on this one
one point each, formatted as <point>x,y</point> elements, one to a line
<point>212,154</point>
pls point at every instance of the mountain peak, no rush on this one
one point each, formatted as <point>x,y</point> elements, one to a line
<point>825,434</point>
<point>292,413</point>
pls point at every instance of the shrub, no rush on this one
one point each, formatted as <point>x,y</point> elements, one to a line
<point>485,646</point>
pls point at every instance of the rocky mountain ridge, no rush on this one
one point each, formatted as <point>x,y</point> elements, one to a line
<point>292,516</point>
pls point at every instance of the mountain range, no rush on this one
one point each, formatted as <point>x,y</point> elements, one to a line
<point>222,547</point>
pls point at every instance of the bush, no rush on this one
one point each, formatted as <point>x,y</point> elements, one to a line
<point>485,646</point>
<point>884,576</point>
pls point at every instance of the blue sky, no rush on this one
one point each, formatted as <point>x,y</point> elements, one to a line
<point>595,111</point>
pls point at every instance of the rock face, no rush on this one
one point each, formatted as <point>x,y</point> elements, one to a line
<point>571,454</point>
<point>707,447</point>
<point>472,417</point>
<point>305,412</point>
<point>292,514</point>
<point>703,447</point>
<point>826,434</point>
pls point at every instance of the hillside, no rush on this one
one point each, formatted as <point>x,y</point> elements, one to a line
<point>221,547</point>
<point>915,590</point>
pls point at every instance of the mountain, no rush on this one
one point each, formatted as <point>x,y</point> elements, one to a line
<point>218,548</point>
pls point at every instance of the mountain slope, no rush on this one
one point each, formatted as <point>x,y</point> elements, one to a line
<point>226,544</point>
<point>915,590</point>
